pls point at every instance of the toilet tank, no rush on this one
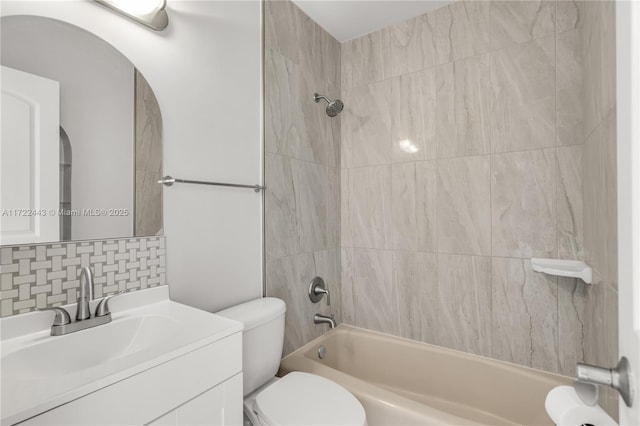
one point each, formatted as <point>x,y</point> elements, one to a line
<point>262,339</point>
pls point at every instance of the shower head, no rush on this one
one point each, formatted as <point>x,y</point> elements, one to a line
<point>334,107</point>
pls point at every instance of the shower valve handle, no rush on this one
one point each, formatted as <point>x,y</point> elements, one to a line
<point>317,289</point>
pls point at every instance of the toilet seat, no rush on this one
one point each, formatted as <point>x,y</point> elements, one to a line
<point>307,399</point>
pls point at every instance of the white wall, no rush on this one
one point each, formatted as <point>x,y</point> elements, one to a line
<point>205,71</point>
<point>96,111</point>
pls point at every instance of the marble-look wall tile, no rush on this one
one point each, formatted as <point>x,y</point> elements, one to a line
<point>570,206</point>
<point>328,266</point>
<point>464,312</point>
<point>369,218</point>
<point>600,201</point>
<point>413,116</point>
<point>569,15</point>
<point>285,127</point>
<point>347,279</point>
<point>365,60</point>
<point>366,125</point>
<point>525,315</point>
<point>464,207</point>
<point>462,30</point>
<point>415,276</point>
<point>601,342</point>
<point>599,57</point>
<point>311,197</point>
<point>463,107</point>
<point>289,279</point>
<point>375,298</point>
<point>302,167</point>
<point>569,92</point>
<point>286,29</point>
<point>412,44</point>
<point>514,22</point>
<point>523,204</point>
<point>572,297</point>
<point>523,111</point>
<point>334,214</point>
<point>280,204</point>
<point>413,206</point>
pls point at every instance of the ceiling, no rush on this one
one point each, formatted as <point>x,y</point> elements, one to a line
<point>347,19</point>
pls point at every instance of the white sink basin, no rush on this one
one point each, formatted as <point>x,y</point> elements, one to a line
<point>40,372</point>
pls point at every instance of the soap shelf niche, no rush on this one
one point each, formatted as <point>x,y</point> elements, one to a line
<point>563,268</point>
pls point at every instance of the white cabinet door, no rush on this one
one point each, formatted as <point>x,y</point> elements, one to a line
<point>29,158</point>
<point>628,96</point>
<point>221,405</point>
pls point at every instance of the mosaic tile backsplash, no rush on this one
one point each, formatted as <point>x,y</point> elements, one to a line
<point>47,275</point>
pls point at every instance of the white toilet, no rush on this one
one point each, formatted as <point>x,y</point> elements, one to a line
<point>296,399</point>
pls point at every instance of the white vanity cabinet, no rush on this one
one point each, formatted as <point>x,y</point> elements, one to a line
<point>202,387</point>
<point>157,362</point>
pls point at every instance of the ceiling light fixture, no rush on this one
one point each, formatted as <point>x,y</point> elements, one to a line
<point>151,13</point>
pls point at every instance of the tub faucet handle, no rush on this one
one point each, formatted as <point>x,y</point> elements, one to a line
<point>317,289</point>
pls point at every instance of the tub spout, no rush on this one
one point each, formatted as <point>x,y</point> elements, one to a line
<point>324,319</point>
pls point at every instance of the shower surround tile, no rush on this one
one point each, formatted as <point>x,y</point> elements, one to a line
<point>462,30</point>
<point>369,217</point>
<point>523,112</point>
<point>365,60</point>
<point>463,107</point>
<point>413,116</point>
<point>572,299</point>
<point>599,57</point>
<point>523,204</point>
<point>412,45</point>
<point>375,301</point>
<point>465,305</point>
<point>569,93</point>
<point>302,168</point>
<point>525,315</point>
<point>290,277</point>
<point>415,276</point>
<point>464,206</point>
<point>569,15</point>
<point>46,275</point>
<point>413,206</point>
<point>515,22</point>
<point>570,207</point>
<point>366,125</point>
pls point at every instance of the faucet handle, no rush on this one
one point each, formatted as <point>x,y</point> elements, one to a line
<point>62,316</point>
<point>103,306</point>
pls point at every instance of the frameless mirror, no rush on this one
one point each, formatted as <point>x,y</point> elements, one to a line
<point>81,141</point>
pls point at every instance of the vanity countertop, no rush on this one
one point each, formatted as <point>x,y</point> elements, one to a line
<point>41,372</point>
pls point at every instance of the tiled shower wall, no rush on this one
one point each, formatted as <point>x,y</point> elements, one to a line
<point>46,275</point>
<point>597,306</point>
<point>470,138</point>
<point>302,170</point>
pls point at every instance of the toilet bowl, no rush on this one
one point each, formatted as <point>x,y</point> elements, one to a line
<point>295,399</point>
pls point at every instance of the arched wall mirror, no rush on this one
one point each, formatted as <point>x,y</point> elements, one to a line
<point>81,142</point>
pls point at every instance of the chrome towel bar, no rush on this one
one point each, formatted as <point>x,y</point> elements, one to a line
<point>168,181</point>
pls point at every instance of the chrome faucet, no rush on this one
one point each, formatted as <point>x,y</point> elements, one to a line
<point>324,319</point>
<point>62,322</point>
<point>86,294</point>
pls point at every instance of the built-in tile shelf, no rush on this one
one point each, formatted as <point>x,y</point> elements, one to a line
<point>563,268</point>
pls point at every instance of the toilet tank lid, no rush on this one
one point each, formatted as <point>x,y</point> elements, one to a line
<point>255,312</point>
